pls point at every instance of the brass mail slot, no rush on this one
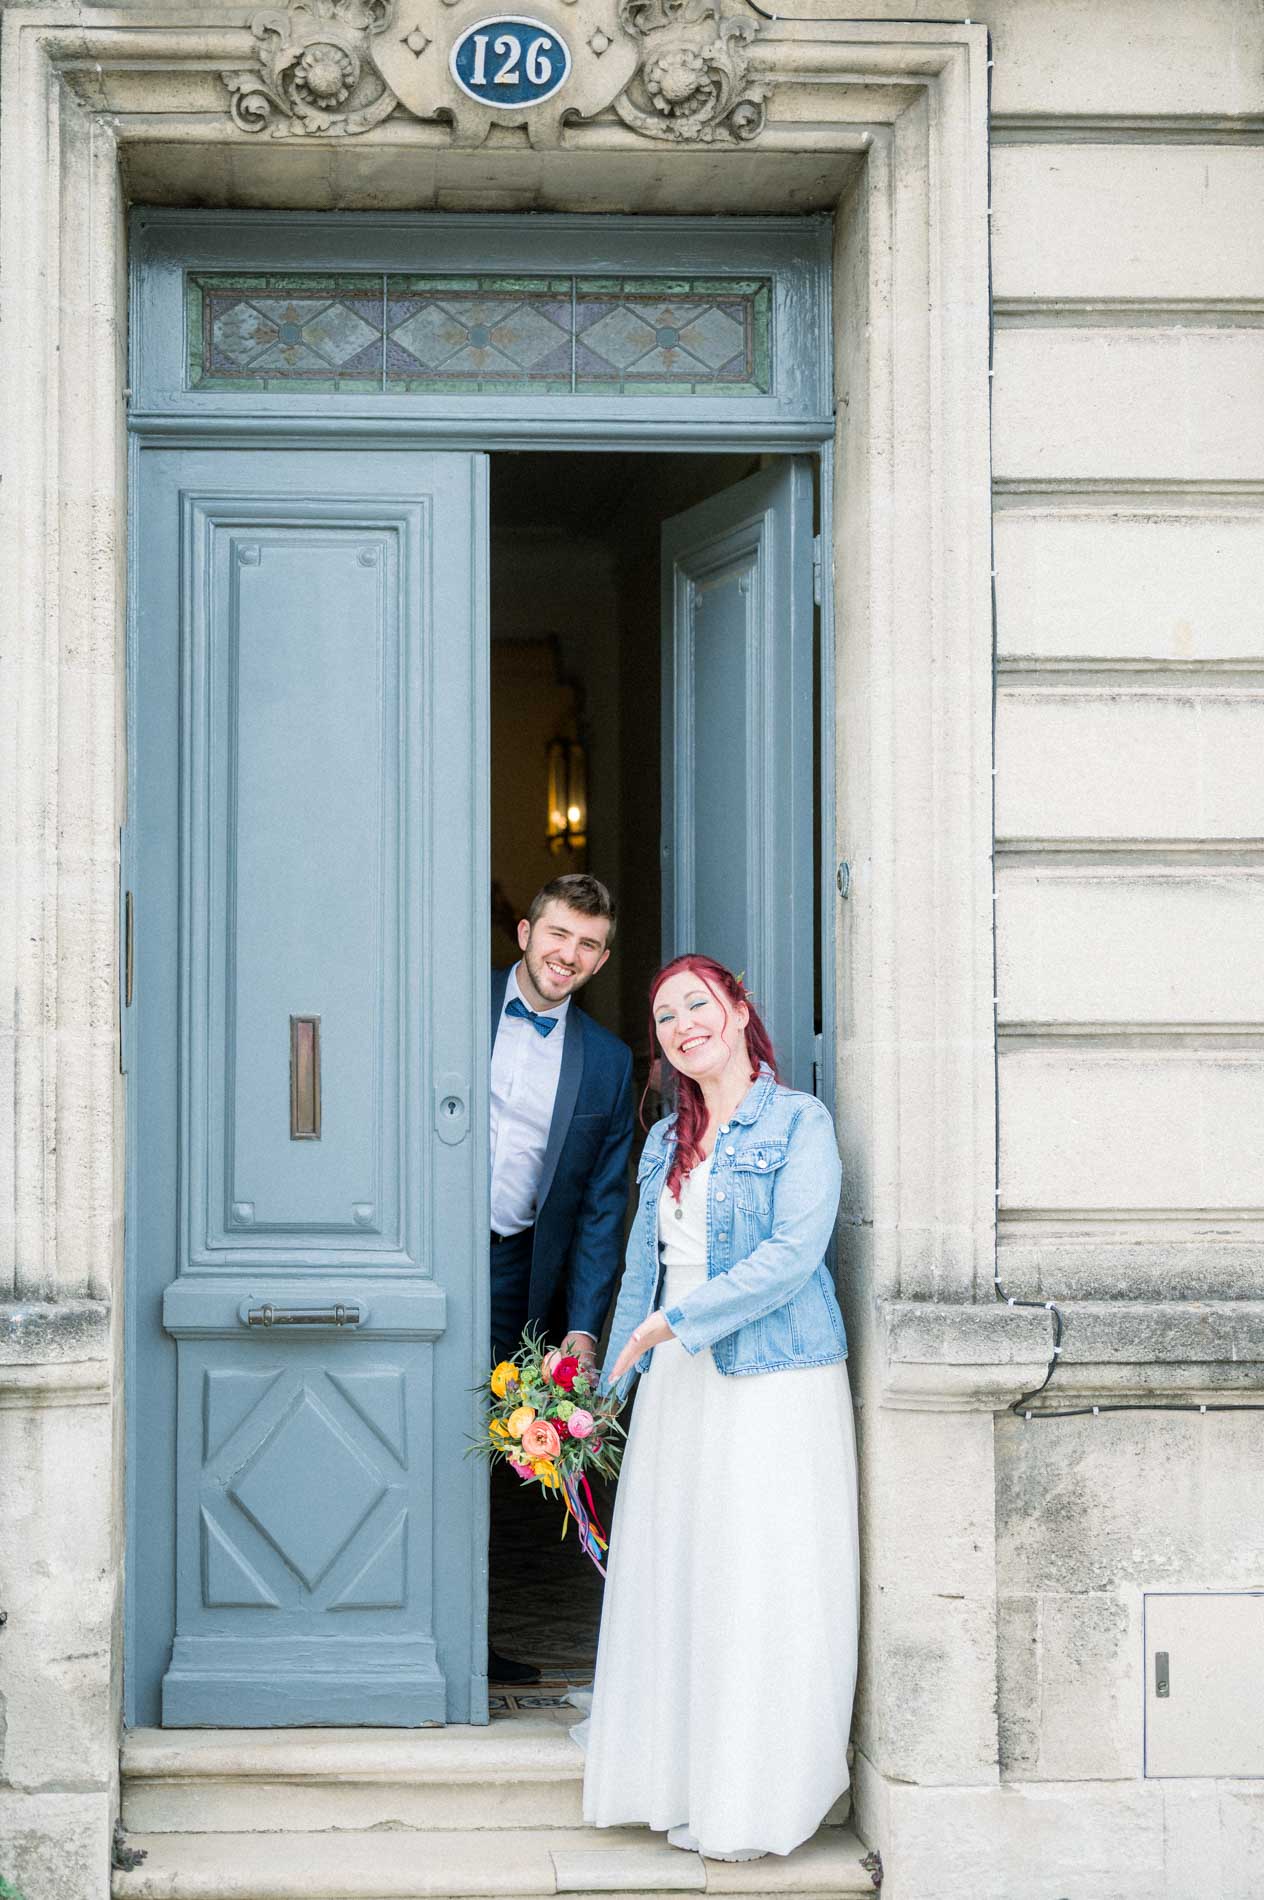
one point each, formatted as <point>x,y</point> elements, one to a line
<point>304,1078</point>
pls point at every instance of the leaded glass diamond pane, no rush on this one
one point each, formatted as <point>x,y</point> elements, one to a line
<point>398,332</point>
<point>686,335</point>
<point>484,333</point>
<point>273,331</point>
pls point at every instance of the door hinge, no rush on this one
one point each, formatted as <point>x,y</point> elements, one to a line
<point>816,569</point>
<point>818,1067</point>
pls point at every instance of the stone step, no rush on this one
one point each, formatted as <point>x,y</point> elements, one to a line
<point>521,1774</point>
<point>525,1773</point>
<point>474,1865</point>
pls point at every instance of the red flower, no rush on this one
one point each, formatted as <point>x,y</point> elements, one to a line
<point>560,1427</point>
<point>565,1373</point>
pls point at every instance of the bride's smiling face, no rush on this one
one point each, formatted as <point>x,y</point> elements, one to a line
<point>698,1031</point>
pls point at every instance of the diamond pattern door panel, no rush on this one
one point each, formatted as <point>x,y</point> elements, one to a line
<point>306,1495</point>
<point>306,1504</point>
<point>307,1489</point>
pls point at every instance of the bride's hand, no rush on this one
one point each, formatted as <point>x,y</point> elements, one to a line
<point>652,1332</point>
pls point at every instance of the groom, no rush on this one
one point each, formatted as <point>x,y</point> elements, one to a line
<point>562,1115</point>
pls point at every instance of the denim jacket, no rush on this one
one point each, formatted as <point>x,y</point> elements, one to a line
<point>768,1301</point>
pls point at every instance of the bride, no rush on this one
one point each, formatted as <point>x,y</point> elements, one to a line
<point>727,1658</point>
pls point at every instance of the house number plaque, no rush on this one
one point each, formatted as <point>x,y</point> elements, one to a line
<point>677,70</point>
<point>510,61</point>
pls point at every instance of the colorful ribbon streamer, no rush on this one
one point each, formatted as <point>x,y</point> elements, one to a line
<point>592,1538</point>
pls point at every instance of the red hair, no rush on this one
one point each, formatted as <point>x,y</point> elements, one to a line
<point>691,1109</point>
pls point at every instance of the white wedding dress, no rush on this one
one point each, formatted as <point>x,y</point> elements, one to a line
<point>727,1656</point>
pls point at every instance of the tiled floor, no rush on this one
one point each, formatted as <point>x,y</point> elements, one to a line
<point>545,1596</point>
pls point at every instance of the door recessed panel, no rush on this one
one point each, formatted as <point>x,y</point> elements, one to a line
<point>297,678</point>
<point>719,637</point>
<point>738,634</point>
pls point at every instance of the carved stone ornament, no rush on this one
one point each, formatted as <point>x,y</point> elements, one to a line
<point>672,69</point>
<point>693,82</point>
<point>315,73</point>
<point>416,56</point>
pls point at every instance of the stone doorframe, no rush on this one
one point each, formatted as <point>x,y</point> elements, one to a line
<point>901,109</point>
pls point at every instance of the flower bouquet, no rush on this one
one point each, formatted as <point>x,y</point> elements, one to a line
<point>547,1424</point>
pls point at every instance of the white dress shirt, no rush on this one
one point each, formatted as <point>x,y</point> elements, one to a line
<point>525,1071</point>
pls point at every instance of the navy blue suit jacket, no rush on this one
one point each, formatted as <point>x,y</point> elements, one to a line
<point>583,1193</point>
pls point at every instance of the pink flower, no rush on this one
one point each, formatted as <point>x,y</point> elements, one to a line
<point>580,1423</point>
<point>540,1440</point>
<point>548,1362</point>
<point>523,1471</point>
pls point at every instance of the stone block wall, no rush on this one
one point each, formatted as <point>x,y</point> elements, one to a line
<point>1128,257</point>
<point>60,1592</point>
<point>1000,1728</point>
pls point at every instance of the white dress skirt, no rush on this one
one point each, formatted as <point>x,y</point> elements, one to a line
<point>727,1658</point>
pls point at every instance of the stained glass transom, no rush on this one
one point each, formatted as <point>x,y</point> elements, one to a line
<point>392,333</point>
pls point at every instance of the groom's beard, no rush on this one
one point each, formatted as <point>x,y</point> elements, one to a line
<point>545,983</point>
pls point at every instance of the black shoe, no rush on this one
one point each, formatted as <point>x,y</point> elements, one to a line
<point>502,1669</point>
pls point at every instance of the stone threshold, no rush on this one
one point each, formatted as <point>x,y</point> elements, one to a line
<point>482,1865</point>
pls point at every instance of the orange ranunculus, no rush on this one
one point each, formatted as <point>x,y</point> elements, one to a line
<point>540,1440</point>
<point>519,1420</point>
<point>505,1375</point>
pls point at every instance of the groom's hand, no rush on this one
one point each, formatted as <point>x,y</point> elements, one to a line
<point>583,1347</point>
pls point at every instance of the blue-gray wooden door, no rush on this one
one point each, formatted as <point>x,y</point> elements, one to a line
<point>738,639</point>
<point>308,841</point>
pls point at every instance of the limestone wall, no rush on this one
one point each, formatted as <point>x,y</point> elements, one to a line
<point>1128,229</point>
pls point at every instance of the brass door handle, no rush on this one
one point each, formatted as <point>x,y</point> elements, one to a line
<point>340,1314</point>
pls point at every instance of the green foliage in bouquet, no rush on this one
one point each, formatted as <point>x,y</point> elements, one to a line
<point>7,1892</point>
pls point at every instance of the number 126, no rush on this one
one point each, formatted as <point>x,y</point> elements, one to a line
<point>539,67</point>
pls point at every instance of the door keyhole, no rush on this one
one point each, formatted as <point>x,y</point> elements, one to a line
<point>452,1109</point>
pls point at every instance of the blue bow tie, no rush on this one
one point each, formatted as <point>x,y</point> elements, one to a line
<point>543,1025</point>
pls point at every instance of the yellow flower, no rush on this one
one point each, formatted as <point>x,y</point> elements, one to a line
<point>505,1375</point>
<point>498,1428</point>
<point>546,1471</point>
<point>519,1420</point>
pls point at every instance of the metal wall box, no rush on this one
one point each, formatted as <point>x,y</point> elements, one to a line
<point>1204,1696</point>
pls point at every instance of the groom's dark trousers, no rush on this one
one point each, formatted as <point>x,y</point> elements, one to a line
<point>511,1277</point>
